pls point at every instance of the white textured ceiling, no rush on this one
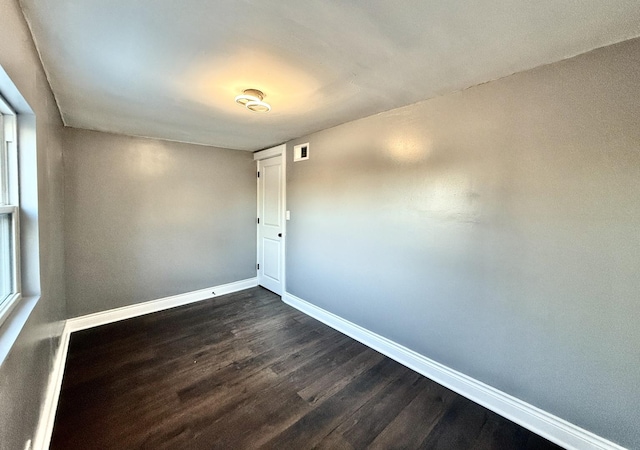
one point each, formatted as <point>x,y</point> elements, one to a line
<point>170,69</point>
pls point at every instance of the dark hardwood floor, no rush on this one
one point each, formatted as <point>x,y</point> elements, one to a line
<point>245,371</point>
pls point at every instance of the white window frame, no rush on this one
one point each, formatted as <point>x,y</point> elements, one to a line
<point>9,201</point>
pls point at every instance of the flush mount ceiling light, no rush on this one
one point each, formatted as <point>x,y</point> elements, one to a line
<point>252,99</point>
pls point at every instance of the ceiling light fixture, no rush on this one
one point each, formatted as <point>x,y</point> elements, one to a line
<point>252,100</point>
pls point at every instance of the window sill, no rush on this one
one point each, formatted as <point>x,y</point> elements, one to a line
<point>13,325</point>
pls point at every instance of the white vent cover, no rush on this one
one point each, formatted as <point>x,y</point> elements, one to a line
<point>301,152</point>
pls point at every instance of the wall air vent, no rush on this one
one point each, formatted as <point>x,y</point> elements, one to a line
<point>301,152</point>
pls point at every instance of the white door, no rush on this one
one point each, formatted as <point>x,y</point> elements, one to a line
<point>270,224</point>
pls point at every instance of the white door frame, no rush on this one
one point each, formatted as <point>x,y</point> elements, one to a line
<point>280,150</point>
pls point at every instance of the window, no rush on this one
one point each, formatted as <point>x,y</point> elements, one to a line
<point>10,289</point>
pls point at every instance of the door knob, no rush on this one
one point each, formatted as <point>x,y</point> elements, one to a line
<point>279,234</point>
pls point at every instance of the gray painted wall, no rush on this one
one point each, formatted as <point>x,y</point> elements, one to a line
<point>146,219</point>
<point>24,374</point>
<point>494,230</point>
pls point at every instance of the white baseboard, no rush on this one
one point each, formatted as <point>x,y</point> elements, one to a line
<point>44,430</point>
<point>140,309</point>
<point>540,422</point>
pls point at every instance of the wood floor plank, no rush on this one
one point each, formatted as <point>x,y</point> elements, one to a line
<point>466,418</point>
<point>334,441</point>
<point>415,422</point>
<point>311,428</point>
<point>366,423</point>
<point>336,379</point>
<point>245,370</point>
<point>266,413</point>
